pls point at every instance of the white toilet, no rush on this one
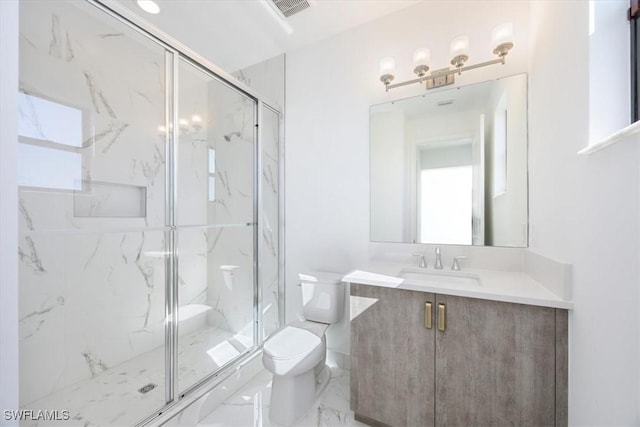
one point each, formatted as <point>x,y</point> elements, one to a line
<point>296,354</point>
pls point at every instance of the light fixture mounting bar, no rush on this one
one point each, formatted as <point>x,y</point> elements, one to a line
<point>501,37</point>
<point>444,73</point>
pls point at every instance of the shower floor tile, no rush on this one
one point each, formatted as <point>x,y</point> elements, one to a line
<point>111,398</point>
<point>249,407</point>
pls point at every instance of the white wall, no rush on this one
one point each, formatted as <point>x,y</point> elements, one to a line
<point>585,211</point>
<point>330,86</point>
<point>8,208</point>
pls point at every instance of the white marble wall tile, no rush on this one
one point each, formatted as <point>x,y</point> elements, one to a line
<point>231,247</point>
<point>269,215</point>
<point>230,291</point>
<point>121,106</point>
<point>107,307</point>
<point>91,297</point>
<point>267,78</point>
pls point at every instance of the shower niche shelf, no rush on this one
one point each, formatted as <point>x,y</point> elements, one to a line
<point>110,200</point>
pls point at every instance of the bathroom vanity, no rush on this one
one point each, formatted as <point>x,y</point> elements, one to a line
<point>457,350</point>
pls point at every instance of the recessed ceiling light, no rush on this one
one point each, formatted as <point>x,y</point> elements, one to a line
<point>149,6</point>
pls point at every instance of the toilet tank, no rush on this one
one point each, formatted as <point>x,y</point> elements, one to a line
<point>322,296</point>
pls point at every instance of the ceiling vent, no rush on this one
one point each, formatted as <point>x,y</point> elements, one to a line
<point>291,7</point>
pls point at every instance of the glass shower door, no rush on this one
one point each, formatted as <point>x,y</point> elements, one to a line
<point>92,223</point>
<point>139,248</point>
<point>215,224</point>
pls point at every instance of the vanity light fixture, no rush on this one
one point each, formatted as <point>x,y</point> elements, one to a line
<point>196,122</point>
<point>149,6</point>
<point>194,125</point>
<point>185,126</point>
<point>501,36</point>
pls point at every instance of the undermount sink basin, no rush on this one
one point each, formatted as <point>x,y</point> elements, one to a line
<point>433,278</point>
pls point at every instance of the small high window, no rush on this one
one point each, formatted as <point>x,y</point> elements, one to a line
<point>50,135</point>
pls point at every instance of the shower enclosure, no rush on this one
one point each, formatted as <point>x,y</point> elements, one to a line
<point>150,217</point>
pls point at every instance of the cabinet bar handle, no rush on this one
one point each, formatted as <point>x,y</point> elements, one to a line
<point>427,315</point>
<point>441,317</point>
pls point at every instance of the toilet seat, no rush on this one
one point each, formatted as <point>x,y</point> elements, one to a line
<point>291,342</point>
<point>293,351</point>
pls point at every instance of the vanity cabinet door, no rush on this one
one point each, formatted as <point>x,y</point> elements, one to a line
<point>496,364</point>
<point>392,354</point>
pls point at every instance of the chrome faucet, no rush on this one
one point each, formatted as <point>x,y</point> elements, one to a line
<point>422,262</point>
<point>438,265</point>
<point>455,266</point>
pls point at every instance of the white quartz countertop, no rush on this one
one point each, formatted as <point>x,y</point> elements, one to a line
<point>507,286</point>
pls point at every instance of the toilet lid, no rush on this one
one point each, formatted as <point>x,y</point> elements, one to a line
<point>291,342</point>
<point>321,277</point>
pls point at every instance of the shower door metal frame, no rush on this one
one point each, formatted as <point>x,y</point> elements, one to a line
<point>174,51</point>
<point>171,261</point>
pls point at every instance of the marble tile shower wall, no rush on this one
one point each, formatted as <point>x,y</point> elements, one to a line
<point>194,245</point>
<point>267,78</point>
<point>232,258</point>
<point>270,230</point>
<point>91,287</point>
<point>92,280</point>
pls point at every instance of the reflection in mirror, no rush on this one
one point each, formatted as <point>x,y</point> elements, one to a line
<point>450,167</point>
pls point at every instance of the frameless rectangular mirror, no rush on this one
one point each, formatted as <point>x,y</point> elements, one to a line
<point>450,167</point>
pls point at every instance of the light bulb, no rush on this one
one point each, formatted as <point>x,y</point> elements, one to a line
<point>149,6</point>
<point>162,130</point>
<point>387,66</point>
<point>421,56</point>
<point>502,33</point>
<point>183,124</point>
<point>387,69</point>
<point>460,46</point>
<point>196,121</point>
<point>420,59</point>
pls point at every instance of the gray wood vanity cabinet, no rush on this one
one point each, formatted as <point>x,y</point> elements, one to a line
<point>494,364</point>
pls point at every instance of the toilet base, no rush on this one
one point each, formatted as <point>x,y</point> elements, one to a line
<point>322,380</point>
<point>292,397</point>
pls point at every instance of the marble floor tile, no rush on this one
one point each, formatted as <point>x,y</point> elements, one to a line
<point>249,407</point>
<point>111,398</point>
